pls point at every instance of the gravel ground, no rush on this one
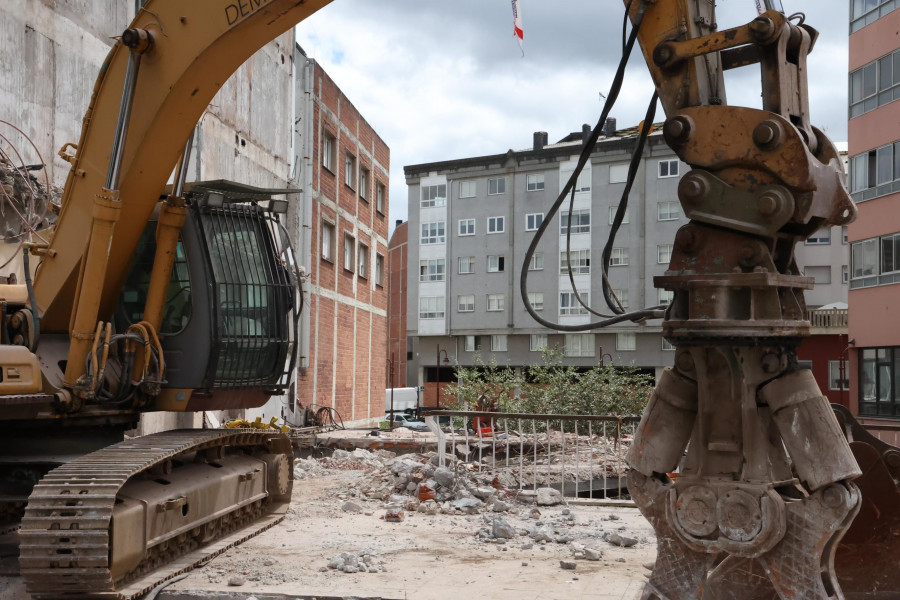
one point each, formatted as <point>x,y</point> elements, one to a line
<point>336,542</point>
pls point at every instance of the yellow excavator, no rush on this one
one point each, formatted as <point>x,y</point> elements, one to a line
<point>190,302</point>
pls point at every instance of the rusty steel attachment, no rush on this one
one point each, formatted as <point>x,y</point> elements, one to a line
<point>738,462</point>
<point>117,522</point>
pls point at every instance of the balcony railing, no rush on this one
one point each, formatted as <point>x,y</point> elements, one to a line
<point>828,318</point>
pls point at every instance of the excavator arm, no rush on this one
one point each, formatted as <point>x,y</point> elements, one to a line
<point>765,490</point>
<point>187,52</point>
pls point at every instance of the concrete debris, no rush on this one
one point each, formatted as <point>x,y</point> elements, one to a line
<point>356,562</point>
<point>236,581</point>
<point>351,507</point>
<point>502,529</point>
<point>591,554</point>
<point>394,515</point>
<point>621,540</point>
<point>548,497</point>
<point>568,565</point>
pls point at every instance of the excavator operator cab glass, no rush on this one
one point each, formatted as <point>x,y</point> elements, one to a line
<point>177,312</point>
<point>237,330</point>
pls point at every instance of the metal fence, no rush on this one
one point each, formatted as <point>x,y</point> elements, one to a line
<point>582,456</point>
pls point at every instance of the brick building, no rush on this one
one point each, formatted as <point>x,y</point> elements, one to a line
<point>342,166</point>
<point>398,259</point>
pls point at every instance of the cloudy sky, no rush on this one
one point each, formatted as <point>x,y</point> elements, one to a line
<point>441,80</point>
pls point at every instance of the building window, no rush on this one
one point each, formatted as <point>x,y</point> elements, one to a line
<point>379,197</point>
<point>536,299</point>
<point>467,189</point>
<point>349,244</point>
<point>496,263</point>
<point>667,345</point>
<point>467,227</point>
<point>618,173</point>
<point>821,275</point>
<point>534,182</point>
<point>434,195</point>
<point>466,264</point>
<point>469,344</point>
<point>363,183</point>
<point>668,168</point>
<point>665,296</point>
<point>618,257</point>
<point>496,302</point>
<point>875,261</point>
<point>622,295</point>
<point>569,305</point>
<point>580,261</point>
<point>845,274</point>
<point>431,269</point>
<point>328,241</point>
<point>431,307</point>
<point>874,84</point>
<point>821,237</point>
<point>537,342</point>
<point>537,262</point>
<point>498,343</point>
<point>496,186</point>
<point>349,170</point>
<point>581,221</point>
<point>496,224</point>
<point>433,233</point>
<point>663,253</point>
<point>583,183</point>
<point>838,375</point>
<point>363,261</point>
<point>579,344</point>
<point>878,372</point>
<point>465,303</point>
<point>667,211</point>
<point>844,237</point>
<point>379,270</point>
<point>866,12</point>
<point>612,215</point>
<point>533,221</point>
<point>329,147</point>
<point>626,342</point>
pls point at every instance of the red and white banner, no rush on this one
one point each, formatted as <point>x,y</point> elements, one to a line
<point>518,32</point>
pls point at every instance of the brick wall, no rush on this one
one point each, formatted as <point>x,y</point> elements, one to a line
<point>348,318</point>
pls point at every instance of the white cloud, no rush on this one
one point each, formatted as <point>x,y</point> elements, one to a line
<point>446,80</point>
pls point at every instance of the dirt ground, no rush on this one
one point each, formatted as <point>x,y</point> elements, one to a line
<point>426,557</point>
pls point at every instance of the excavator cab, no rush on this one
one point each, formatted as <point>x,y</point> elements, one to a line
<point>229,321</point>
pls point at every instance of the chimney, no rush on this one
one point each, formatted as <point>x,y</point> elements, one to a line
<point>540,140</point>
<point>398,222</point>
<point>609,129</point>
<point>585,133</point>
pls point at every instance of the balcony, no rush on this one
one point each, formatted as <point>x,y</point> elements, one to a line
<point>827,321</point>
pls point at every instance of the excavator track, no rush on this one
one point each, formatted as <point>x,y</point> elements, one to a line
<point>68,532</point>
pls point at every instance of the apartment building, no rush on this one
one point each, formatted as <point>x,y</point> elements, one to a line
<point>471,221</point>
<point>874,148</point>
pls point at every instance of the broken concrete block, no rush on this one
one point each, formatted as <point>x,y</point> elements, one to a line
<point>394,515</point>
<point>548,497</point>
<point>236,581</point>
<point>501,506</point>
<point>444,477</point>
<point>621,540</point>
<point>467,505</point>
<point>351,507</point>
<point>568,565</point>
<point>502,529</point>
<point>592,554</point>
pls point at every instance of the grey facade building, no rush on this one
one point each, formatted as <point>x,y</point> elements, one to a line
<point>471,221</point>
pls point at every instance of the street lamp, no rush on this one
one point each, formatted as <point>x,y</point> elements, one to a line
<point>437,370</point>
